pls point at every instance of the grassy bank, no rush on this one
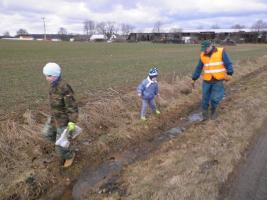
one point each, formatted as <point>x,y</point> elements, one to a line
<point>197,164</point>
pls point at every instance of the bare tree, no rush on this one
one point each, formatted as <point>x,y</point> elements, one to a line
<point>157,27</point>
<point>177,34</point>
<point>259,25</point>
<point>107,28</point>
<point>101,28</point>
<point>176,30</point>
<point>126,29</point>
<point>6,34</point>
<point>89,27</point>
<point>22,32</point>
<point>215,26</point>
<point>62,31</point>
<point>63,34</point>
<point>238,26</point>
<point>111,29</point>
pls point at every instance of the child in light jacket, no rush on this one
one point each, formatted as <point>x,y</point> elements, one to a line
<point>63,111</point>
<point>147,90</point>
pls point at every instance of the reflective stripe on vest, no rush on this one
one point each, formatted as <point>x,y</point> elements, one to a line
<point>213,65</point>
<point>213,71</point>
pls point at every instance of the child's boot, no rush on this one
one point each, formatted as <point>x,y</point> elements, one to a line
<point>143,118</point>
<point>157,112</point>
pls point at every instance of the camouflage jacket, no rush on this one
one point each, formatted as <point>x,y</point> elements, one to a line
<point>62,104</point>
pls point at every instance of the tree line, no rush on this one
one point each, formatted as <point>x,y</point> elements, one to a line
<point>90,27</point>
<point>109,28</point>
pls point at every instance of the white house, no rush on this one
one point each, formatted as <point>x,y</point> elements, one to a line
<point>55,40</point>
<point>98,37</point>
<point>186,39</point>
<point>25,37</point>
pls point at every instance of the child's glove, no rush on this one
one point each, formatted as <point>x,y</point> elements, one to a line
<point>71,126</point>
<point>193,83</point>
<point>227,78</point>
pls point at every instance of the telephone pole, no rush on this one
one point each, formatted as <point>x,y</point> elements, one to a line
<point>44,28</point>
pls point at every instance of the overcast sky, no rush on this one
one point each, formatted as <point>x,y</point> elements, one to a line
<point>70,14</point>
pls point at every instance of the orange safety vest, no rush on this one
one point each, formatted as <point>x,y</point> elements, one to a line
<point>213,66</point>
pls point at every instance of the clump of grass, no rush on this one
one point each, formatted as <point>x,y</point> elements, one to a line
<point>20,146</point>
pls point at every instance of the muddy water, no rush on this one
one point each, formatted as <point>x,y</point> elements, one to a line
<point>103,179</point>
<point>251,180</point>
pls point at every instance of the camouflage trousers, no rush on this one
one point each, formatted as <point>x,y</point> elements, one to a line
<point>51,133</point>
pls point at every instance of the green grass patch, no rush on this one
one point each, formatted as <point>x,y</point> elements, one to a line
<point>92,66</point>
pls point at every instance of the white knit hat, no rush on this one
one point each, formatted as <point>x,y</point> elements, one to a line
<point>52,69</point>
<point>153,72</point>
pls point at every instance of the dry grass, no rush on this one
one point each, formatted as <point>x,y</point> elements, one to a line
<point>20,148</point>
<point>111,122</point>
<point>195,165</point>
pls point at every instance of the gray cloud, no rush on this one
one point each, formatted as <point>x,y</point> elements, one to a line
<point>142,14</point>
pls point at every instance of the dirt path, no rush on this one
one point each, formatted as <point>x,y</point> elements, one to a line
<point>250,182</point>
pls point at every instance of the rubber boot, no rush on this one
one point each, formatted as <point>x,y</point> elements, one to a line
<point>69,162</point>
<point>205,114</point>
<point>214,114</point>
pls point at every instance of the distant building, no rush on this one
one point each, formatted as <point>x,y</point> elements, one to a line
<point>186,39</point>
<point>188,36</point>
<point>51,37</point>
<point>197,35</point>
<point>26,37</point>
<point>7,38</point>
<point>98,38</point>
<point>117,38</point>
<point>156,37</point>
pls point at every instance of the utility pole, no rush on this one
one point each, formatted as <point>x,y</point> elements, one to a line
<point>44,28</point>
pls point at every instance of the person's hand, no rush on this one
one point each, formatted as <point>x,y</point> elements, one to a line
<point>71,126</point>
<point>193,83</point>
<point>227,78</point>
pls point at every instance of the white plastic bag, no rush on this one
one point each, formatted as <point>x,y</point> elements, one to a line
<point>76,132</point>
<point>63,140</point>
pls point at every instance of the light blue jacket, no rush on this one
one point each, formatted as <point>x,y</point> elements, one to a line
<point>148,89</point>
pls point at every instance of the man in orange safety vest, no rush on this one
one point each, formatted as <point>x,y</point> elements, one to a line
<point>216,67</point>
